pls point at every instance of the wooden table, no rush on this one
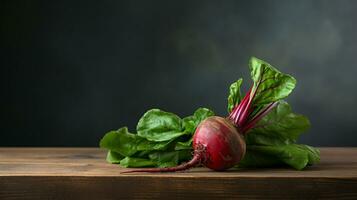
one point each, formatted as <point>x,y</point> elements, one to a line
<point>82,173</point>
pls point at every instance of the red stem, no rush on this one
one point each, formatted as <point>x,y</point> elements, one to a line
<point>245,104</point>
<point>192,163</point>
<point>241,114</point>
<point>238,109</point>
<point>246,112</point>
<point>258,117</point>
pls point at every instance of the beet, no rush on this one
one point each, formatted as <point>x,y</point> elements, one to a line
<point>218,142</point>
<point>217,145</point>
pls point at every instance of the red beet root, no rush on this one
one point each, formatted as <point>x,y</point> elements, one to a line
<point>219,143</point>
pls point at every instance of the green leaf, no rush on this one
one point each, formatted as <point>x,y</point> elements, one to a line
<point>142,154</point>
<point>235,95</point>
<point>144,145</point>
<point>127,144</point>
<point>295,155</point>
<point>157,125</point>
<point>281,126</point>
<point>169,159</point>
<point>113,157</point>
<point>158,159</point>
<point>165,159</point>
<point>190,123</point>
<point>154,124</point>
<point>201,114</point>
<point>120,141</point>
<point>272,141</point>
<point>184,145</point>
<point>270,84</point>
<point>257,159</point>
<point>313,153</point>
<point>137,162</point>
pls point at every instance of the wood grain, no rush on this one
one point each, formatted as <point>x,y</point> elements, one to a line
<point>82,173</point>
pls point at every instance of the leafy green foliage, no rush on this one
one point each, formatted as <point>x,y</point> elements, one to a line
<point>273,141</point>
<point>191,122</point>
<point>297,156</point>
<point>270,84</point>
<point>113,157</point>
<point>234,96</point>
<point>281,126</point>
<point>120,141</point>
<point>163,140</point>
<point>137,162</point>
<point>169,159</point>
<point>127,144</point>
<point>157,125</point>
<point>184,145</point>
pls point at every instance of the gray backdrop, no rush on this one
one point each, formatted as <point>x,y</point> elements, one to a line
<point>72,70</point>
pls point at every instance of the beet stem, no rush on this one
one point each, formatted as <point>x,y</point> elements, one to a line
<point>245,114</point>
<point>192,163</point>
<point>238,109</point>
<point>259,116</point>
<point>242,109</point>
<point>241,114</point>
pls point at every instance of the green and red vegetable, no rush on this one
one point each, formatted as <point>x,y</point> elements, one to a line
<point>260,131</point>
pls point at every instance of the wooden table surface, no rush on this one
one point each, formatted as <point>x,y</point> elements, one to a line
<point>82,173</point>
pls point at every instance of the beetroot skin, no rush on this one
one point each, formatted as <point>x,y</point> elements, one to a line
<point>221,144</point>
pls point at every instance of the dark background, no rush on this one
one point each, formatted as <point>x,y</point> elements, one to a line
<point>72,70</point>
